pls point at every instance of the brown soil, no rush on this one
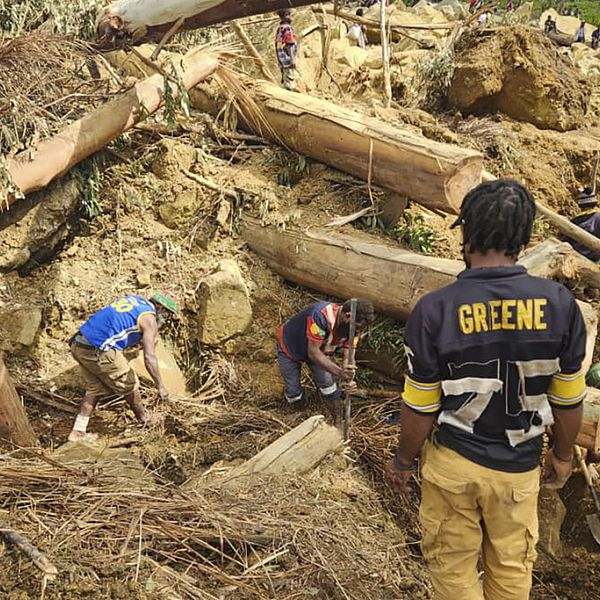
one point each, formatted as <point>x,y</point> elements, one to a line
<point>520,72</point>
<point>149,237</point>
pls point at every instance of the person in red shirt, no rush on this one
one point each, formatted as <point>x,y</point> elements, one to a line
<point>312,336</point>
<point>286,48</point>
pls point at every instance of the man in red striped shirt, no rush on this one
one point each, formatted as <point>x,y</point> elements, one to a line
<point>312,336</point>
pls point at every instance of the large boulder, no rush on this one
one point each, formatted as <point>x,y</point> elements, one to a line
<point>520,72</point>
<point>224,305</point>
<point>19,327</point>
<point>171,374</point>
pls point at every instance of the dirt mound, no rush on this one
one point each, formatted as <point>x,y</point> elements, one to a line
<point>519,72</point>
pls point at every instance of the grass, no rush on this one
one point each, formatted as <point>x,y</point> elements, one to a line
<point>590,10</point>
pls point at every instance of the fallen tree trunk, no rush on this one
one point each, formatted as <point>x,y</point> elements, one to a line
<point>346,266</point>
<point>394,27</point>
<point>559,261</point>
<point>394,279</point>
<point>57,155</point>
<point>138,21</point>
<point>434,174</point>
<point>14,424</point>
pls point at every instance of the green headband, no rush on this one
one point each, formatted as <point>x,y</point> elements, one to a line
<point>165,300</point>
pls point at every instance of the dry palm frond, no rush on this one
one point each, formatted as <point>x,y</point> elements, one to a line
<point>43,86</point>
<point>276,538</point>
<point>243,104</point>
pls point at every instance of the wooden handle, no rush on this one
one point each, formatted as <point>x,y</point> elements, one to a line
<point>583,466</point>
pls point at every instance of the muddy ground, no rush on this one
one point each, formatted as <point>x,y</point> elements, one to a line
<point>159,228</point>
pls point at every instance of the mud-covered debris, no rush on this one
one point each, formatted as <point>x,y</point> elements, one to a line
<point>520,72</point>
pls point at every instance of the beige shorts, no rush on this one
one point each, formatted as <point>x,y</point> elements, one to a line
<point>105,373</point>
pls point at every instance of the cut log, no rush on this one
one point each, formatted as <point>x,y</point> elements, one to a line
<point>394,279</point>
<point>138,21</point>
<point>346,266</point>
<point>298,451</point>
<point>559,261</point>
<point>14,424</point>
<point>58,154</point>
<point>434,174</point>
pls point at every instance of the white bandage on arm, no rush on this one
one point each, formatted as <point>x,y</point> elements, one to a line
<point>81,423</point>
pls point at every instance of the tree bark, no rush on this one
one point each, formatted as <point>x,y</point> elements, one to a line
<point>431,173</point>
<point>57,155</point>
<point>559,261</point>
<point>138,21</point>
<point>346,266</point>
<point>14,424</point>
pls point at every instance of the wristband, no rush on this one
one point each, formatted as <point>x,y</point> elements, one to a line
<point>568,460</point>
<point>400,466</point>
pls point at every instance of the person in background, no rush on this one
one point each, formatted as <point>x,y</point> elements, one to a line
<point>98,349</point>
<point>549,25</point>
<point>596,37</point>
<point>356,32</point>
<point>311,337</point>
<point>588,219</point>
<point>286,48</point>
<point>580,34</point>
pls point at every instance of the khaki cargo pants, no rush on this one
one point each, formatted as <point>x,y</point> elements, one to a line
<point>468,510</point>
<point>105,373</point>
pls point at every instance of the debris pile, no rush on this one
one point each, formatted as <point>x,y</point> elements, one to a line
<point>519,72</point>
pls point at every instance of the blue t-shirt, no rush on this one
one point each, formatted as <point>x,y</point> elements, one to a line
<point>116,326</point>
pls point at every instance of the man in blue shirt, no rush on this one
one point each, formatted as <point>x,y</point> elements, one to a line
<point>98,348</point>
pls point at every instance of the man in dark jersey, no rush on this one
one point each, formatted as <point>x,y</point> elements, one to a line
<point>494,359</point>
<point>312,336</point>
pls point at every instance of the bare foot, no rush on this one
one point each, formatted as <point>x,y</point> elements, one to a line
<point>153,419</point>
<point>79,436</point>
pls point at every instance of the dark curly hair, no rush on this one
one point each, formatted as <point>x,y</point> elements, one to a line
<point>497,215</point>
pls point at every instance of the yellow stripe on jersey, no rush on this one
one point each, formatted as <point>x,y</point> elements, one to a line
<point>567,389</point>
<point>422,397</point>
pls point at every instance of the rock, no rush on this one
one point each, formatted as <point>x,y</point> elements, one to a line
<point>172,157</point>
<point>551,513</point>
<point>566,25</point>
<point>171,374</point>
<point>517,71</point>
<point>452,9</point>
<point>143,279</point>
<point>38,225</point>
<point>19,327</point>
<point>224,305</point>
<point>179,209</point>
